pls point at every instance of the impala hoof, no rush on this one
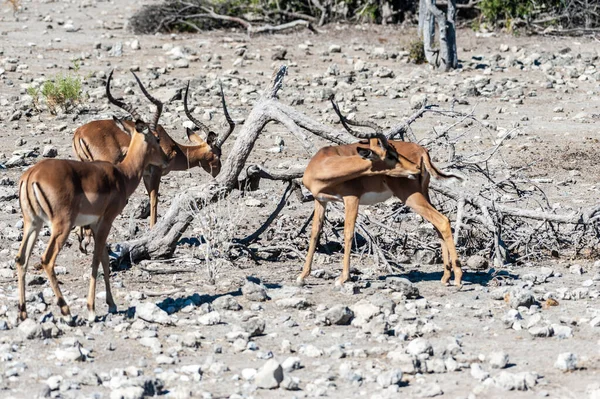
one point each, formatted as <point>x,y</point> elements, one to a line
<point>68,320</point>
<point>112,309</point>
<point>300,282</point>
<point>91,317</point>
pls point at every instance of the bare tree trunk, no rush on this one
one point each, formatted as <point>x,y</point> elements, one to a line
<point>446,56</point>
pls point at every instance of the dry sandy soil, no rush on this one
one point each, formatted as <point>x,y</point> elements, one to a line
<point>200,344</point>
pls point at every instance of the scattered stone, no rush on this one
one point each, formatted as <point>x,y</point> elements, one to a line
<point>210,319</point>
<point>515,382</point>
<point>498,360</point>
<point>338,315</point>
<point>419,346</point>
<point>335,48</point>
<point>291,363</point>
<point>151,313</point>
<point>279,54</point>
<point>269,376</point>
<point>417,100</point>
<point>389,378</point>
<point>566,361</point>
<point>519,297</point>
<point>402,285</point>
<point>478,372</point>
<point>477,262</point>
<point>254,291</point>
<point>428,390</point>
<point>254,327</point>
<point>226,302</point>
<point>293,303</point>
<point>49,152</point>
<point>29,329</point>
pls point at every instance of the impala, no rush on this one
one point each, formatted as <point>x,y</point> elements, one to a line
<point>104,140</point>
<point>368,173</point>
<point>67,193</point>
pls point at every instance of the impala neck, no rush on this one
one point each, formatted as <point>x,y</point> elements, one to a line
<point>190,156</point>
<point>134,163</point>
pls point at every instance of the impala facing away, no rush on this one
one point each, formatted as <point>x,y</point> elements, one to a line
<point>66,193</point>
<point>104,140</point>
<point>368,173</point>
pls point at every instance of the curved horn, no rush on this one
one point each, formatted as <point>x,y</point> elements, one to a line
<point>196,122</point>
<point>345,122</point>
<point>159,105</point>
<point>230,121</point>
<point>118,103</point>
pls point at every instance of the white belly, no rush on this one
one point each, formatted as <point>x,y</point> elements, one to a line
<point>84,220</point>
<point>374,197</point>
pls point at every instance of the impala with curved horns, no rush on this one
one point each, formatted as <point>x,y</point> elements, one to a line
<point>104,140</point>
<point>358,174</point>
<point>66,193</point>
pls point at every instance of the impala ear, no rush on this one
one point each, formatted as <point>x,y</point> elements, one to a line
<point>193,137</point>
<point>365,153</point>
<point>211,139</point>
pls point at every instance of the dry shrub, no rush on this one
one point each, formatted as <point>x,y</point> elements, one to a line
<point>217,226</point>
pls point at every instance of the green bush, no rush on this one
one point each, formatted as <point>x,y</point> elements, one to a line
<point>63,91</point>
<point>416,51</point>
<point>507,10</point>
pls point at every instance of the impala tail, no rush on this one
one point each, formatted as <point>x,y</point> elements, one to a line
<point>447,177</point>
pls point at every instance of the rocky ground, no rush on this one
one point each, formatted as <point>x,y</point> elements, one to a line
<point>526,331</point>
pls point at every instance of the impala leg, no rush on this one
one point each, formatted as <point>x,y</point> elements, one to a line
<point>30,233</point>
<point>112,307</point>
<point>100,235</point>
<point>351,206</point>
<point>318,217</point>
<point>152,182</point>
<point>418,202</point>
<point>60,233</point>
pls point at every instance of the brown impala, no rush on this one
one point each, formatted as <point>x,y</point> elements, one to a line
<point>368,173</point>
<point>66,193</point>
<point>104,140</point>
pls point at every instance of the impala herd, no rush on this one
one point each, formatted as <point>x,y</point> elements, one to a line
<point>115,155</point>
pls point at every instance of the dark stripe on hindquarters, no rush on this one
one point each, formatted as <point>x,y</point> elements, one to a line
<point>86,150</point>
<point>49,212</point>
<point>27,195</point>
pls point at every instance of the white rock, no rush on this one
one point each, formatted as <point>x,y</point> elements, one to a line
<point>151,313</point>
<point>389,378</point>
<point>311,351</point>
<point>248,374</point>
<point>210,319</point>
<point>595,322</point>
<point>269,376</point>
<point>30,329</point>
<point>498,360</point>
<point>478,372</point>
<point>419,346</point>
<point>291,363</point>
<point>566,361</point>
